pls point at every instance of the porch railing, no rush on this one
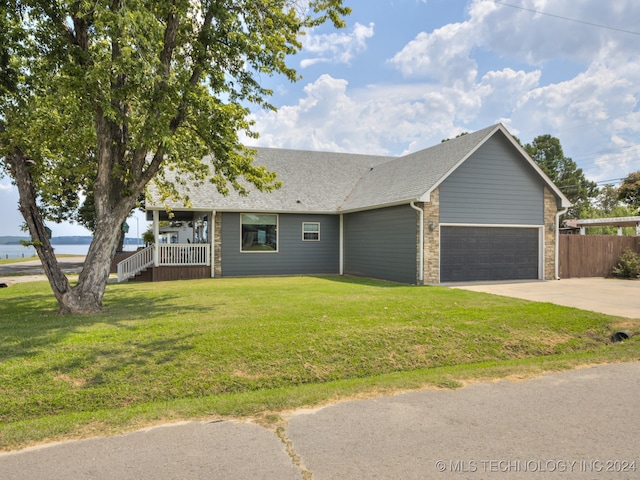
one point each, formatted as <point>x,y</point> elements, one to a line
<point>174,254</point>
<point>135,263</point>
<point>169,255</point>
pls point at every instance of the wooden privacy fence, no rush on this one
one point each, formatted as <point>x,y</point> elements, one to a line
<point>592,255</point>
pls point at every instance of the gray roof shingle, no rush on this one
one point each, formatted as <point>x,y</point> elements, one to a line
<point>326,182</point>
<point>311,182</point>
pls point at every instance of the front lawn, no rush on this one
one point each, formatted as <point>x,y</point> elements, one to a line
<point>191,349</point>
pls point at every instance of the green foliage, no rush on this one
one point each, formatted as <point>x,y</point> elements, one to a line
<point>148,237</point>
<point>628,265</point>
<point>547,152</point>
<point>629,191</point>
<point>607,205</point>
<point>607,201</point>
<point>165,82</point>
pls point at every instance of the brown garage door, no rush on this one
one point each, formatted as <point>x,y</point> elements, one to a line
<point>488,253</point>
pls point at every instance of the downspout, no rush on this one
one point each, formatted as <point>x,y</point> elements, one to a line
<point>557,246</point>
<point>341,259</point>
<point>421,242</point>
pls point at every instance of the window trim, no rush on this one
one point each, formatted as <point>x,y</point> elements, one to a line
<point>277,249</point>
<point>317,232</point>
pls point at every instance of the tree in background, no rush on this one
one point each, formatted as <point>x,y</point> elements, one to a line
<point>547,152</point>
<point>607,205</point>
<point>607,201</point>
<point>629,191</point>
<point>101,97</point>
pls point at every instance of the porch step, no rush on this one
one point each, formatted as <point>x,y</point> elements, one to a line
<point>145,275</point>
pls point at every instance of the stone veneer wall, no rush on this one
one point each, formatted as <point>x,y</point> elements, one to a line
<point>432,239</point>
<point>217,245</point>
<point>550,210</point>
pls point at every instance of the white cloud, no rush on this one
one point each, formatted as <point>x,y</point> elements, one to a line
<point>442,55</point>
<point>450,87</point>
<point>335,47</point>
<point>5,187</point>
<point>375,119</point>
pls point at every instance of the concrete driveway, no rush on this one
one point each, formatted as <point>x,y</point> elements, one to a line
<point>604,295</point>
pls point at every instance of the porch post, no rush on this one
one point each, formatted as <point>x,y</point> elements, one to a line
<point>212,241</point>
<point>156,236</point>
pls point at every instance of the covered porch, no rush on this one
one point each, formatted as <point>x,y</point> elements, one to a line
<point>182,250</point>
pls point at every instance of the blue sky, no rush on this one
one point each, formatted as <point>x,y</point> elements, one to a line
<point>406,74</point>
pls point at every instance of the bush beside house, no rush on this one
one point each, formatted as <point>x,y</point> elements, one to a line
<point>628,265</point>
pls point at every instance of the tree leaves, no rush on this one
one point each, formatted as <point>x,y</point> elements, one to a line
<point>547,152</point>
<point>629,191</point>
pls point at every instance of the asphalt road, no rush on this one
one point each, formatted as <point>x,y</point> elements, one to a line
<point>34,267</point>
<point>580,424</point>
<point>32,270</point>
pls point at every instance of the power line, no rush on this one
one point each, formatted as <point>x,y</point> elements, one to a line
<point>591,24</point>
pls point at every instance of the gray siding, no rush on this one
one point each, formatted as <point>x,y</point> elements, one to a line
<point>493,186</point>
<point>381,244</point>
<point>294,257</point>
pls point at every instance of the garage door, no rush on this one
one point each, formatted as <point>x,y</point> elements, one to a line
<point>488,253</point>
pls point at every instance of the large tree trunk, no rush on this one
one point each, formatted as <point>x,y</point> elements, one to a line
<point>86,296</point>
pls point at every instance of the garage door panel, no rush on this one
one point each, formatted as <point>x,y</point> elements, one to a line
<point>488,253</point>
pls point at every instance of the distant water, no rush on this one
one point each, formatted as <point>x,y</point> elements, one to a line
<point>18,251</point>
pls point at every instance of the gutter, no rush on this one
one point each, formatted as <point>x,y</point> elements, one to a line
<point>421,256</point>
<point>557,246</point>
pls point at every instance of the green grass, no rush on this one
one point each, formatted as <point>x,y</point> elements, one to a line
<point>242,347</point>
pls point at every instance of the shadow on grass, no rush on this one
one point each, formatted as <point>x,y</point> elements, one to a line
<point>354,280</point>
<point>30,322</point>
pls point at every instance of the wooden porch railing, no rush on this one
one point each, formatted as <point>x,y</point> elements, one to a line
<point>169,255</point>
<point>135,263</point>
<point>174,254</point>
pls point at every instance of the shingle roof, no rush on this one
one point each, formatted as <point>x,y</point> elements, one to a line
<point>326,182</point>
<point>311,182</point>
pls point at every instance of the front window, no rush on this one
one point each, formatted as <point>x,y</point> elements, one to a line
<point>259,232</point>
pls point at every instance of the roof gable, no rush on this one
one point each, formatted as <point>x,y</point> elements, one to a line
<point>413,176</point>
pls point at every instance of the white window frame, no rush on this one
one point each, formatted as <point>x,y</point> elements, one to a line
<point>311,232</point>
<point>242,250</point>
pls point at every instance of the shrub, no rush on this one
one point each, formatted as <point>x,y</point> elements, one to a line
<point>628,265</point>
